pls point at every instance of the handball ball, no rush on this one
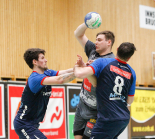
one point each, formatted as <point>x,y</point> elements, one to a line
<point>93,20</point>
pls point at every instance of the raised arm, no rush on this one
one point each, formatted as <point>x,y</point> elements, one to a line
<point>80,34</point>
<point>64,78</point>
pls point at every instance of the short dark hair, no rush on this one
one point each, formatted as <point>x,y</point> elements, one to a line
<point>32,53</point>
<point>126,50</point>
<point>108,36</point>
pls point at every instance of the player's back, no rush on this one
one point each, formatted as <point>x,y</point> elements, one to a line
<point>115,82</point>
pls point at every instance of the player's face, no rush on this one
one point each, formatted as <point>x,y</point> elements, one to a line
<point>42,62</point>
<point>101,44</point>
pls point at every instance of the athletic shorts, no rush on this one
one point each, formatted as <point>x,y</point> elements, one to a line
<point>28,131</point>
<point>85,118</point>
<point>108,129</point>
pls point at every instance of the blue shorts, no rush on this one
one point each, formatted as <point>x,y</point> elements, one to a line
<point>28,131</point>
<point>108,129</point>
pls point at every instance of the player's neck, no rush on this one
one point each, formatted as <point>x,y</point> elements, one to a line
<point>120,59</point>
<point>105,52</point>
<point>38,70</point>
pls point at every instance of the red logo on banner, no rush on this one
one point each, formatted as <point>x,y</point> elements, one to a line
<point>55,116</point>
<point>54,123</point>
<point>90,125</point>
<point>120,72</point>
<point>87,85</point>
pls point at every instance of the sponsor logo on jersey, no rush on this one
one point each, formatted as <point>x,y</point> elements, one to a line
<point>90,125</point>
<point>89,132</point>
<point>47,93</point>
<point>25,134</point>
<point>116,97</point>
<point>93,120</point>
<point>87,85</point>
<point>25,109</point>
<point>120,72</point>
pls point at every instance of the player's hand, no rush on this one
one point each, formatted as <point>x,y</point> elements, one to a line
<point>89,62</point>
<point>80,61</point>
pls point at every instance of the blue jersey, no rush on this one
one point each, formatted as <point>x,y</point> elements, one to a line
<point>115,82</point>
<point>35,98</point>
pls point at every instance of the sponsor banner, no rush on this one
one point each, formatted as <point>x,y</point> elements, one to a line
<point>54,123</point>
<point>147,17</point>
<point>70,126</point>
<point>2,117</point>
<point>14,97</point>
<point>73,99</point>
<point>143,114</point>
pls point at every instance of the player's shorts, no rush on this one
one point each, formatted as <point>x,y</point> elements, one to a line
<point>28,131</point>
<point>85,118</point>
<point>108,129</point>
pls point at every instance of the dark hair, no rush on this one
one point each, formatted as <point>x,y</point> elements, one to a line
<point>108,36</point>
<point>126,50</point>
<point>32,53</point>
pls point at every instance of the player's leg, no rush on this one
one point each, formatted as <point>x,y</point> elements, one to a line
<point>124,125</point>
<point>29,132</point>
<point>108,129</point>
<point>79,123</point>
<point>78,134</point>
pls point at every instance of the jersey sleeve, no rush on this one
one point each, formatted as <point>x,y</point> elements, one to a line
<point>35,82</point>
<point>89,47</point>
<point>50,72</point>
<point>97,66</point>
<point>133,86</point>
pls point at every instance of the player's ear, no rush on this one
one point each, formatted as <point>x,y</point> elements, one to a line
<point>34,62</point>
<point>109,42</point>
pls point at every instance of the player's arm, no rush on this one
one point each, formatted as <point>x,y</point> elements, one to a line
<point>64,78</point>
<point>65,71</point>
<point>130,100</point>
<point>80,34</point>
<point>132,90</point>
<point>92,79</point>
<point>83,72</point>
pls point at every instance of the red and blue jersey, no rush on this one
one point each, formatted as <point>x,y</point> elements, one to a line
<point>35,98</point>
<point>116,81</point>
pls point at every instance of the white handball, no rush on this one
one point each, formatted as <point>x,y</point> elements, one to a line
<point>93,20</point>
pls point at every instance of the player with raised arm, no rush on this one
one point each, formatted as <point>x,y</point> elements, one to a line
<point>36,94</point>
<point>86,112</point>
<point>115,91</point>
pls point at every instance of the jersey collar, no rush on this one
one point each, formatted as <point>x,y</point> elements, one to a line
<point>105,54</point>
<point>35,71</point>
<point>120,61</point>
